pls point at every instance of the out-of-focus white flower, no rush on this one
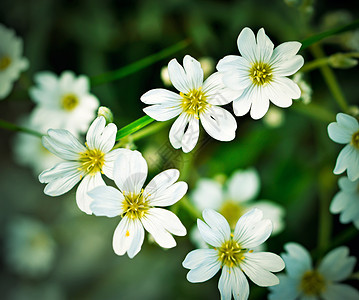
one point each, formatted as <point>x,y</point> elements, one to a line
<point>274,117</point>
<point>165,76</point>
<point>12,63</point>
<point>346,201</point>
<point>232,253</point>
<point>30,248</point>
<point>137,205</point>
<point>346,131</point>
<point>198,100</point>
<point>29,151</point>
<point>82,163</point>
<point>305,88</point>
<point>63,102</point>
<point>261,73</point>
<point>303,282</point>
<point>236,198</point>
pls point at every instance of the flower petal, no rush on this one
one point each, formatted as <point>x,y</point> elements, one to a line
<point>168,220</point>
<point>243,103</point>
<point>217,222</point>
<point>297,260</point>
<point>109,161</point>
<point>260,104</point>
<point>265,46</point>
<point>344,160</point>
<point>107,138</point>
<point>243,185</point>
<point>137,240</point>
<point>207,194</point>
<point>178,76</point>
<point>204,271</point>
<point>196,257</point>
<point>287,289</point>
<point>251,230</point>
<point>285,51</point>
<point>288,67</point>
<point>219,123</point>
<point>123,236</point>
<point>163,112</point>
<point>107,201</point>
<point>247,46</point>
<point>161,96</point>
<point>130,172</point>
<point>93,135</point>
<point>169,196</point>
<point>340,291</point>
<point>194,72</point>
<point>88,183</point>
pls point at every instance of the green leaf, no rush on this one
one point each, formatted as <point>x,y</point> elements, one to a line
<point>138,65</point>
<point>133,127</point>
<point>316,38</point>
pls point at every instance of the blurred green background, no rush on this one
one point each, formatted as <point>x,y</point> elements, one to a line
<point>294,160</point>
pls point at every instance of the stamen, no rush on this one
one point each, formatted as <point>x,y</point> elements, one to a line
<point>312,283</point>
<point>194,102</point>
<point>5,61</point>
<point>231,253</point>
<point>92,161</point>
<point>135,206</point>
<point>69,102</point>
<point>355,140</point>
<point>260,73</point>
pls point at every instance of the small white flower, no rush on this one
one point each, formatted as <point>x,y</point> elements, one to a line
<point>11,61</point>
<point>346,131</point>
<point>85,163</point>
<point>261,73</point>
<point>232,253</point>
<point>137,205</point>
<point>346,201</point>
<point>305,88</point>
<point>63,102</point>
<point>303,282</point>
<point>29,151</point>
<point>236,198</point>
<point>197,101</point>
<point>30,248</point>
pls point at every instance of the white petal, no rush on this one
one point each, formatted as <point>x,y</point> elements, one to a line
<point>162,237</point>
<point>240,286</point>
<point>88,183</point>
<point>210,235</point>
<point>231,63</point>
<point>265,46</point>
<point>196,257</point>
<point>137,239</point>
<point>62,169</point>
<point>285,51</point>
<point>109,161</point>
<point>288,67</point>
<point>107,139</point>
<point>168,220</point>
<point>130,172</point>
<point>169,196</point>
<point>207,194</point>
<point>339,202</point>
<point>219,123</point>
<point>278,94</point>
<point>348,122</point>
<point>347,185</point>
<point>205,271</point>
<point>339,134</point>
<point>351,212</point>
<point>251,230</point>
<point>178,76</point>
<point>161,96</point>
<point>123,236</point>
<point>260,104</point>
<point>225,283</point>
<point>247,44</point>
<point>162,181</point>
<point>163,112</point>
<point>194,72</point>
<point>266,260</point>
<point>337,265</point>
<point>353,166</point>
<point>237,80</point>
<point>217,222</point>
<point>93,135</point>
<point>344,160</point>
<point>243,185</point>
<point>297,260</point>
<point>184,132</point>
<point>340,291</point>
<point>63,144</point>
<point>107,201</point>
<point>287,289</point>
<point>242,104</point>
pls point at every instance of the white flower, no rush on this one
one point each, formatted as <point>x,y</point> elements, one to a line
<point>30,249</point>
<point>29,151</point>
<point>305,88</point>
<point>236,198</point>
<point>82,163</point>
<point>196,101</point>
<point>346,131</point>
<point>261,73</point>
<point>137,205</point>
<point>232,253</point>
<point>346,201</point>
<point>303,282</point>
<point>11,61</point>
<point>63,102</point>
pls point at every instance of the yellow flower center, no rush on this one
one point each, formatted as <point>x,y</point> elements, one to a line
<point>355,140</point>
<point>312,283</point>
<point>231,253</point>
<point>92,161</point>
<point>260,73</point>
<point>5,61</point>
<point>135,206</point>
<point>232,211</point>
<point>194,102</point>
<point>69,102</point>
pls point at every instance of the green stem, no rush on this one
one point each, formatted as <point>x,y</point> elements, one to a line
<point>330,79</point>
<point>13,127</point>
<point>138,65</point>
<point>133,127</point>
<point>149,130</point>
<point>186,204</point>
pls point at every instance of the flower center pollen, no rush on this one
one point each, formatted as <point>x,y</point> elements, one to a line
<point>69,102</point>
<point>92,161</point>
<point>230,253</point>
<point>135,206</point>
<point>312,283</point>
<point>260,73</point>
<point>194,102</point>
<point>5,61</point>
<point>355,140</point>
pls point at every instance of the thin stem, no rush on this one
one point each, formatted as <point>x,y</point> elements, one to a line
<point>315,111</point>
<point>138,65</point>
<point>149,130</point>
<point>13,127</point>
<point>330,79</point>
<point>133,127</point>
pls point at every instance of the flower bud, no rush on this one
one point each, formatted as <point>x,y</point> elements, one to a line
<point>341,61</point>
<point>106,113</point>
